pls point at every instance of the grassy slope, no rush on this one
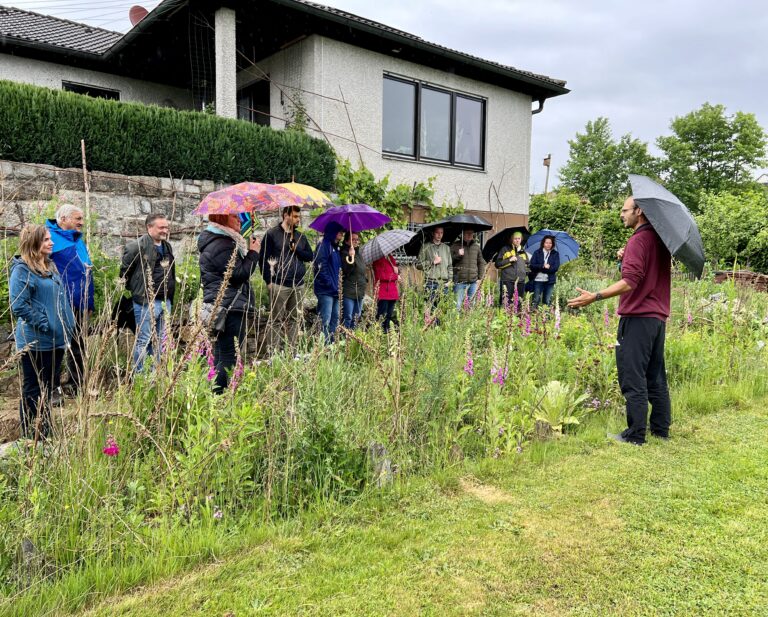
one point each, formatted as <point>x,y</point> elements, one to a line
<point>670,529</point>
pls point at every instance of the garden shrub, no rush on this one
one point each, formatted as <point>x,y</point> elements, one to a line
<point>45,126</point>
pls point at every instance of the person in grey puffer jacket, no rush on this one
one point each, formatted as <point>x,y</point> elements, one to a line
<point>468,266</point>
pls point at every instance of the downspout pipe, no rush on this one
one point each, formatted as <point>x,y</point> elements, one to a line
<point>539,109</point>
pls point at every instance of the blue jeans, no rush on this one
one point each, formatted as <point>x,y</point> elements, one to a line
<point>463,290</point>
<point>144,314</point>
<point>542,292</point>
<point>352,309</point>
<point>328,310</point>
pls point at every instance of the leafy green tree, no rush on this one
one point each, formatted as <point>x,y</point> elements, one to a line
<point>733,228</point>
<point>710,152</point>
<point>600,233</point>
<point>598,165</point>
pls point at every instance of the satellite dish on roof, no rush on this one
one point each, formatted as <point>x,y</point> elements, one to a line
<point>136,14</point>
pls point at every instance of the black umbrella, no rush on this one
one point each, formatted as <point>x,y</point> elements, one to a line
<point>413,248</point>
<point>453,227</point>
<point>470,221</point>
<point>671,220</point>
<point>493,245</point>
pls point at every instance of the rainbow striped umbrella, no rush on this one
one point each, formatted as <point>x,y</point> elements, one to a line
<point>248,197</point>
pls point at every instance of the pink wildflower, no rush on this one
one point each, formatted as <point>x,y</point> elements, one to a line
<point>515,300</point>
<point>217,513</point>
<point>527,331</point>
<point>237,374</point>
<point>211,364</point>
<point>689,318</point>
<point>469,367</point>
<point>557,318</point>
<point>111,448</point>
<point>498,375</point>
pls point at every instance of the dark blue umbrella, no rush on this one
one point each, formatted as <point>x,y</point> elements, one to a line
<point>565,245</point>
<point>352,217</point>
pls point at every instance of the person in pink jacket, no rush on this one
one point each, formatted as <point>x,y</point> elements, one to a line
<point>386,275</point>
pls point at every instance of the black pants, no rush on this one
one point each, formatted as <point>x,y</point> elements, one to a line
<point>77,349</point>
<point>41,371</point>
<point>643,377</point>
<point>386,309</point>
<point>224,349</point>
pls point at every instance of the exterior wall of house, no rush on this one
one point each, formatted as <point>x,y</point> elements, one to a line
<point>320,66</point>
<point>50,75</point>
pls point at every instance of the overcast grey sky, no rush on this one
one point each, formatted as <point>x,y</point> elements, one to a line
<point>638,63</point>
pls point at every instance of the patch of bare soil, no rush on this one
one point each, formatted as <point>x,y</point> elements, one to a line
<point>484,492</point>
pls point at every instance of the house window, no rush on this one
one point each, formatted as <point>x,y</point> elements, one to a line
<point>94,91</point>
<point>253,103</point>
<point>421,122</point>
<point>399,117</point>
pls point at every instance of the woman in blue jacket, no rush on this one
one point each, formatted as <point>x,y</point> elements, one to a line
<point>327,268</point>
<point>544,265</point>
<point>44,325</point>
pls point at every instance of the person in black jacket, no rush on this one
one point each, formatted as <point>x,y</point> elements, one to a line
<point>149,271</point>
<point>216,244</point>
<point>354,281</point>
<point>284,253</point>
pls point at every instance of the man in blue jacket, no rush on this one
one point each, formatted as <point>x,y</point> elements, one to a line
<point>70,254</point>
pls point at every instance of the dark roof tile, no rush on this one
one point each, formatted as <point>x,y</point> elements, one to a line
<point>27,26</point>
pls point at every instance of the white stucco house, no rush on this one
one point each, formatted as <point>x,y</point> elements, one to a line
<point>402,105</point>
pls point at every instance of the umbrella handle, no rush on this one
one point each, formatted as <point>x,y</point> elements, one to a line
<point>350,260</point>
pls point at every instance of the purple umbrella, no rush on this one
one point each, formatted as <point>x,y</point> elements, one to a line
<point>352,217</point>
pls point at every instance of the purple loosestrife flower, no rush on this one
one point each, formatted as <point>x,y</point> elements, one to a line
<point>111,448</point>
<point>527,330</point>
<point>467,302</point>
<point>515,300</point>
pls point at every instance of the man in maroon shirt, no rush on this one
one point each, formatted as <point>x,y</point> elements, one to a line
<point>644,308</point>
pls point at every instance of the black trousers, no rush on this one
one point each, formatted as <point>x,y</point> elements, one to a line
<point>643,377</point>
<point>386,309</point>
<point>224,348</point>
<point>77,349</point>
<point>41,372</point>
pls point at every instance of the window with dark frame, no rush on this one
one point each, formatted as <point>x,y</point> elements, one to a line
<point>426,123</point>
<point>94,91</point>
<point>253,103</point>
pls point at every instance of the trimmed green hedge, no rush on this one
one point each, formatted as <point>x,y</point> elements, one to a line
<point>40,125</point>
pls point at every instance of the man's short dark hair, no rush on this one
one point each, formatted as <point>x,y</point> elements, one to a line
<point>287,210</point>
<point>151,218</point>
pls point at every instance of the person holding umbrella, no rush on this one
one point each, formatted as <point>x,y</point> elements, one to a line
<point>544,265</point>
<point>354,281</point>
<point>644,308</point>
<point>327,266</point>
<point>468,266</point>
<point>436,263</point>
<point>217,243</point>
<point>283,258</point>
<point>512,264</point>
<point>386,273</point>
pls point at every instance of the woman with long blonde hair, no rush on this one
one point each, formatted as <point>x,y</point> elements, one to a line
<point>44,326</point>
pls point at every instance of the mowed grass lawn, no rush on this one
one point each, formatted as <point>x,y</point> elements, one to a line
<point>583,527</point>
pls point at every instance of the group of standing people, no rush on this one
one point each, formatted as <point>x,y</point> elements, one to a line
<point>461,265</point>
<point>52,296</point>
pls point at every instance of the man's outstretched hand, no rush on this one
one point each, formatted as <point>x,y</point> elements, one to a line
<point>585,299</point>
